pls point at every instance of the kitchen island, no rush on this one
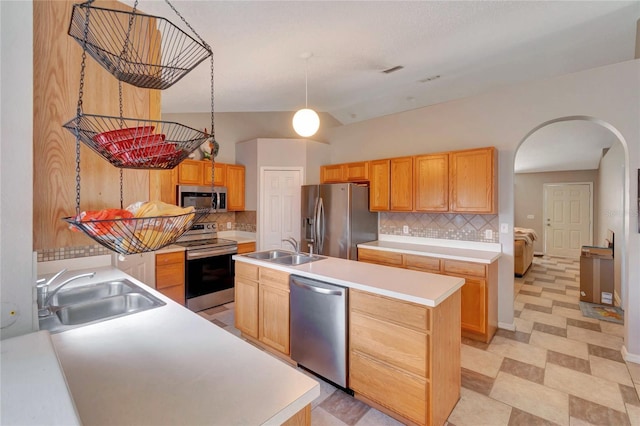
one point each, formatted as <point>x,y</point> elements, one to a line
<point>168,365</point>
<point>403,329</point>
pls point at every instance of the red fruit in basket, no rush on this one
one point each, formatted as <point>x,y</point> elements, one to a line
<point>101,222</point>
<point>105,138</point>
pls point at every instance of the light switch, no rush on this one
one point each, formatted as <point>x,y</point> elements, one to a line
<point>405,229</point>
<point>488,234</point>
<point>504,228</point>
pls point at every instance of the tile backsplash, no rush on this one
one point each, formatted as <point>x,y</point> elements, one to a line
<point>463,227</point>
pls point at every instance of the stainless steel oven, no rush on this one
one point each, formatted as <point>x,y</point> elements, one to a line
<point>209,269</point>
<point>200,197</point>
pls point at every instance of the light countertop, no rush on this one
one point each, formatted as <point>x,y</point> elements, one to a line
<point>238,236</point>
<point>404,284</point>
<point>470,252</point>
<point>34,390</point>
<point>168,365</point>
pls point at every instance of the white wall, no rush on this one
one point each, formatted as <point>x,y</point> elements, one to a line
<point>503,118</point>
<point>16,166</point>
<point>610,207</point>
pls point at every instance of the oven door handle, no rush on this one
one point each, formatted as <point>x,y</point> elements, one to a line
<point>194,254</point>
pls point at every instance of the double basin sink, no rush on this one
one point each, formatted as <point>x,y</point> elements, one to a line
<point>283,257</point>
<point>93,303</point>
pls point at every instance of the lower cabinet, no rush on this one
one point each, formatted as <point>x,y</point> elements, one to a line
<point>262,305</point>
<point>170,275</point>
<point>405,357</point>
<point>246,247</point>
<point>479,293</point>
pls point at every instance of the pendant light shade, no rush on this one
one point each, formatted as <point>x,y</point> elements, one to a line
<point>306,121</point>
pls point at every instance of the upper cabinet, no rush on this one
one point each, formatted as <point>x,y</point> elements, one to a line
<point>472,180</point>
<point>235,187</point>
<point>456,181</point>
<point>196,172</point>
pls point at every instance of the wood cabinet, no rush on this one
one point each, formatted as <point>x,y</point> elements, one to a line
<point>472,181</point>
<point>235,187</point>
<point>220,175</point>
<point>405,357</point>
<point>197,172</point>
<point>262,305</point>
<point>479,293</point>
<point>379,185</point>
<point>347,172</point>
<point>431,183</point>
<point>170,275</point>
<point>246,247</point>
<point>401,184</point>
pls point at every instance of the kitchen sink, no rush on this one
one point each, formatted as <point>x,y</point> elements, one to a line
<point>90,304</point>
<point>269,254</point>
<point>296,259</point>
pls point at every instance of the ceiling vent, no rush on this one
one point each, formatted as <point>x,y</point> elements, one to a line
<point>427,79</point>
<point>393,69</point>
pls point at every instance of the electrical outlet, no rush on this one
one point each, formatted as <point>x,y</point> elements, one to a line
<point>530,216</point>
<point>228,225</point>
<point>488,234</point>
<point>405,229</point>
<point>504,228</point>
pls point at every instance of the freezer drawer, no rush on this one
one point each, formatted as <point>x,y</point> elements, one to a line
<point>596,275</point>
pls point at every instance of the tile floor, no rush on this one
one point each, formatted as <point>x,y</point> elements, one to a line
<point>556,368</point>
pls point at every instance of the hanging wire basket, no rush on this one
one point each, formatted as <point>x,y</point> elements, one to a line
<point>137,234</point>
<point>143,50</point>
<point>131,143</point>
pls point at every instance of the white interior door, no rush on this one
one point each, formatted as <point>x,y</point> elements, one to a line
<point>568,218</point>
<point>280,213</point>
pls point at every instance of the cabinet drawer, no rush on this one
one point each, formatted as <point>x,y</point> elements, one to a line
<point>170,275</point>
<point>168,258</point>
<point>464,268</point>
<point>422,263</point>
<point>381,257</point>
<point>397,311</point>
<point>247,270</point>
<point>274,278</point>
<point>246,247</point>
<point>398,390</point>
<point>396,345</point>
<point>175,293</point>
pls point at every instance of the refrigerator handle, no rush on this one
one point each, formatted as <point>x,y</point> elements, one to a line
<point>320,226</point>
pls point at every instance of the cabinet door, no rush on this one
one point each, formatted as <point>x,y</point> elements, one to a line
<point>219,176</point>
<point>246,247</point>
<point>432,183</point>
<point>235,187</point>
<point>380,257</point>
<point>474,305</point>
<point>332,173</point>
<point>379,172</point>
<point>356,172</point>
<point>472,183</point>
<point>191,172</point>
<point>246,306</point>
<point>401,184</point>
<point>274,317</point>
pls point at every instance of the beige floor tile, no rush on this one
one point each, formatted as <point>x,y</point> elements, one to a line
<point>544,318</point>
<point>578,422</point>
<point>480,361</point>
<point>524,298</point>
<point>532,288</point>
<point>226,317</point>
<point>542,401</point>
<point>612,328</point>
<point>320,417</point>
<point>375,418</point>
<point>594,337</point>
<point>560,297</point>
<point>634,370</point>
<point>523,325</point>
<point>474,409</point>
<point>634,414</point>
<point>585,386</point>
<point>559,344</point>
<point>518,351</point>
<point>518,306</point>
<point>610,370</point>
<point>573,293</point>
<point>572,313</point>
<point>544,276</point>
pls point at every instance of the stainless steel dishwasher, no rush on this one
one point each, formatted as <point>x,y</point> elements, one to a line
<point>319,328</point>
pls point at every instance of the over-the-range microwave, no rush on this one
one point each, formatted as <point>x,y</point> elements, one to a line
<point>200,197</point>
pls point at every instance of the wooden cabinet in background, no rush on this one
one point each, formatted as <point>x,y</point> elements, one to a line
<point>472,181</point>
<point>379,185</point>
<point>479,293</point>
<point>431,183</point>
<point>246,247</point>
<point>220,175</point>
<point>331,173</point>
<point>170,275</point>
<point>344,173</point>
<point>401,184</point>
<point>262,305</point>
<point>235,187</point>
<point>198,172</point>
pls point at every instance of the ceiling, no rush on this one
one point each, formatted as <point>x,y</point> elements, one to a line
<point>473,46</point>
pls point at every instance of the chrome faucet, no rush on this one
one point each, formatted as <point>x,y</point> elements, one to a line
<point>294,243</point>
<point>44,295</point>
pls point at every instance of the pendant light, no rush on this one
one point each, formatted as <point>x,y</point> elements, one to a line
<point>306,121</point>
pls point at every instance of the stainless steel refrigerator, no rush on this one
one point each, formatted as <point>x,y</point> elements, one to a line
<point>335,218</point>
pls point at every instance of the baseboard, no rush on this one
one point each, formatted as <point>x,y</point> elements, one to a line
<point>506,326</point>
<point>635,358</point>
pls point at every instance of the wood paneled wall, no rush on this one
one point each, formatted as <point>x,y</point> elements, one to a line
<point>56,66</point>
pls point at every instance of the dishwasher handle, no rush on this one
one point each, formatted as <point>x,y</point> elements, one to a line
<point>315,289</point>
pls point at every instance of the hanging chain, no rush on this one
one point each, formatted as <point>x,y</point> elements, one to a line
<point>121,205</point>
<point>79,106</point>
<point>206,46</point>
<point>121,110</point>
<point>125,47</point>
